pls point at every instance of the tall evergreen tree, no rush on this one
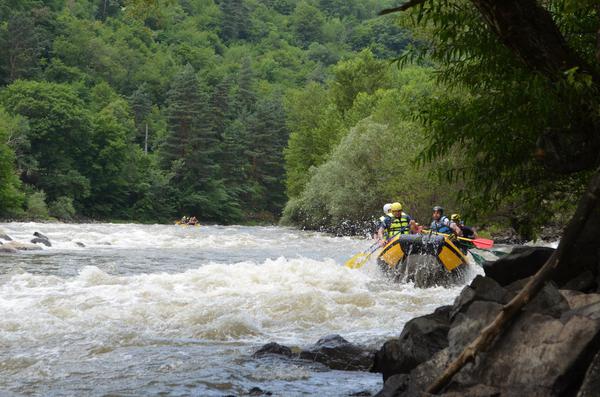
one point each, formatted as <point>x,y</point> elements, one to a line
<point>184,105</point>
<point>235,20</point>
<point>267,137</point>
<point>246,97</point>
<point>141,104</point>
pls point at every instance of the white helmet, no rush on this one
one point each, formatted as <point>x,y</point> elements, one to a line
<point>387,208</point>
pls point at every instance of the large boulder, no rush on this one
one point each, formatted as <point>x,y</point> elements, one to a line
<point>480,289</point>
<point>336,352</point>
<point>420,339</point>
<point>520,263</point>
<point>424,336</point>
<point>539,356</point>
<point>545,352</point>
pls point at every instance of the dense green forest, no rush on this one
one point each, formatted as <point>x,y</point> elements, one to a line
<point>148,110</point>
<point>491,123</point>
<point>317,110</point>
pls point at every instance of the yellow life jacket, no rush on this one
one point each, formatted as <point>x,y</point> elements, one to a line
<point>398,226</point>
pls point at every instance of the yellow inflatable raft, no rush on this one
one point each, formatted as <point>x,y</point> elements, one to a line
<point>440,247</point>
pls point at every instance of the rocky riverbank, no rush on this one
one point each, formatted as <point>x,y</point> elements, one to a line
<point>551,349</point>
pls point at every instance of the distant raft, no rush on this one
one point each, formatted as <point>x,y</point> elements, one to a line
<point>186,224</point>
<point>407,257</point>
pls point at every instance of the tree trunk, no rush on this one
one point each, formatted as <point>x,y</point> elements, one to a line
<point>530,32</point>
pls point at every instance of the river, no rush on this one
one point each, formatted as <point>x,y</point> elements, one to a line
<point>176,311</point>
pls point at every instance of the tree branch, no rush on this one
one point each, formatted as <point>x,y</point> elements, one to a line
<point>403,7</point>
<point>588,204</point>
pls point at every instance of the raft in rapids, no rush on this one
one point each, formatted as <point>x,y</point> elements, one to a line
<point>425,259</point>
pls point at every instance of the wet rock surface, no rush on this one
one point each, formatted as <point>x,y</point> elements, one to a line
<point>39,240</point>
<point>22,246</point>
<point>273,349</point>
<point>332,351</point>
<point>420,339</point>
<point>520,263</point>
<point>4,236</point>
<point>336,352</point>
<point>552,347</point>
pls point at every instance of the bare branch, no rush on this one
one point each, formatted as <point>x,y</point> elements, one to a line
<point>403,7</point>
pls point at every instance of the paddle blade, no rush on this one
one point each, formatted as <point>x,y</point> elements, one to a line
<point>357,260</point>
<point>483,243</point>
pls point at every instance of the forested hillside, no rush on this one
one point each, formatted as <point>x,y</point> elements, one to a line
<point>148,110</point>
<point>490,123</point>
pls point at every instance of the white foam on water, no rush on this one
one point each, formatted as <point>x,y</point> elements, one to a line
<point>295,300</point>
<point>68,310</point>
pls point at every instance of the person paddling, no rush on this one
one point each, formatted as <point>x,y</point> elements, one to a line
<point>467,232</point>
<point>441,224</point>
<point>397,223</point>
<point>386,213</point>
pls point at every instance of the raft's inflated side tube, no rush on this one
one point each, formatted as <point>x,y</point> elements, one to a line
<point>418,244</point>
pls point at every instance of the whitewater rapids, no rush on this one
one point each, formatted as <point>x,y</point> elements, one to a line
<point>171,310</point>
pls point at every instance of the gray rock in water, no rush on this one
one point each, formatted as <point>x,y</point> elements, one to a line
<point>273,349</point>
<point>336,352</point>
<point>393,385</point>
<point>6,249</point>
<point>4,236</point>
<point>80,244</point>
<point>420,339</point>
<point>257,391</point>
<point>40,240</point>
<point>22,246</point>
<point>40,235</point>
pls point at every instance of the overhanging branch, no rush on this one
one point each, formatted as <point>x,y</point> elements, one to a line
<point>403,7</point>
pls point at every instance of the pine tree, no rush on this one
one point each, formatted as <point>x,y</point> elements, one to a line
<point>184,104</point>
<point>266,139</point>
<point>235,160</point>
<point>235,21</point>
<point>141,104</point>
<point>220,106</point>
<point>246,97</point>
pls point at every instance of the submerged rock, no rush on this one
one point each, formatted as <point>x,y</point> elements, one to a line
<point>257,391</point>
<point>4,236</point>
<point>332,351</point>
<point>273,349</point>
<point>41,241</point>
<point>337,353</point>
<point>80,244</point>
<point>40,235</point>
<point>22,246</point>
<point>6,249</point>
